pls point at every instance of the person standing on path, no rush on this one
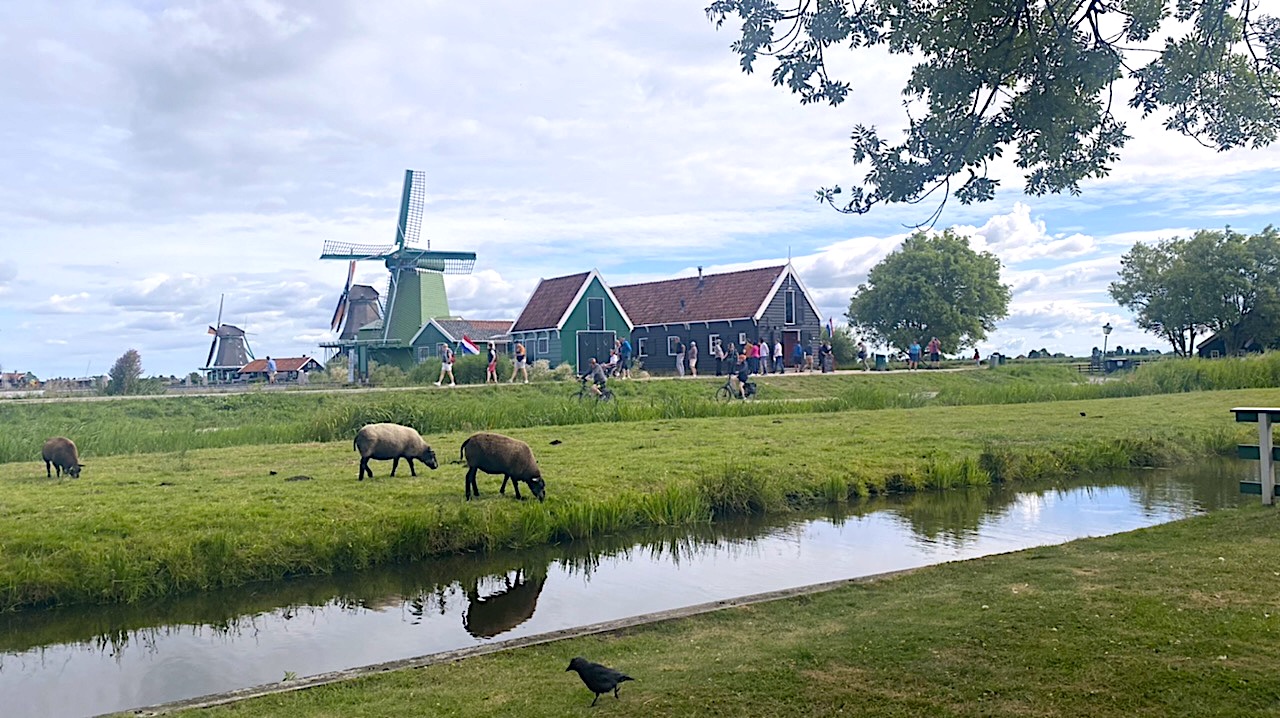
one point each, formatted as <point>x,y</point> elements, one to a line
<point>717,350</point>
<point>693,358</point>
<point>935,352</point>
<point>491,371</point>
<point>679,357</point>
<point>271,370</point>
<point>797,356</point>
<point>446,366</point>
<point>778,364</point>
<point>764,355</point>
<point>624,356</point>
<point>521,364</point>
<point>913,355</point>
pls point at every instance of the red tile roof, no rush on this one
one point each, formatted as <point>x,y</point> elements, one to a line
<point>282,364</point>
<point>733,295</point>
<point>549,302</point>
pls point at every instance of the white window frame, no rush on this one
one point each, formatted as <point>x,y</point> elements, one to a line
<point>671,347</point>
<point>424,353</point>
<point>544,344</point>
<point>742,339</point>
<point>789,308</point>
<point>642,347</point>
<point>711,343</point>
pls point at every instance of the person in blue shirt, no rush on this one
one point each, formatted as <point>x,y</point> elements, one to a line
<point>913,355</point>
<point>624,356</point>
<point>271,370</point>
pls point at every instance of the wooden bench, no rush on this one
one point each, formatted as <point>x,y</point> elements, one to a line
<point>1265,453</point>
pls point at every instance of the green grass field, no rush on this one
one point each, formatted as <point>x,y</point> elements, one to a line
<point>142,525</point>
<point>172,424</point>
<point>1176,620</point>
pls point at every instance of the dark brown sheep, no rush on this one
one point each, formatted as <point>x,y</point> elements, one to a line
<point>498,454</point>
<point>394,442</point>
<point>60,452</point>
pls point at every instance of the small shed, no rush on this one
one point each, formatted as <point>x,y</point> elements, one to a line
<point>287,368</point>
<point>1216,346</point>
<point>571,319</point>
<point>449,331</point>
<point>769,303</point>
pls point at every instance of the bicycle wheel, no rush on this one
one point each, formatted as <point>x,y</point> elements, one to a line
<point>724,393</point>
<point>606,395</point>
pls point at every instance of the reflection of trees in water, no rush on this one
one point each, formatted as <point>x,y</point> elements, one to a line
<point>493,593</point>
<point>955,517</point>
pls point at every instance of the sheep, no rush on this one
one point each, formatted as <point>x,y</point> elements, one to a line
<point>391,441</point>
<point>60,452</point>
<point>498,454</point>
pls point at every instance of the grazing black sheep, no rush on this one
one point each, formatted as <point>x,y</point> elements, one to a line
<point>392,441</point>
<point>498,454</point>
<point>598,679</point>
<point>60,453</point>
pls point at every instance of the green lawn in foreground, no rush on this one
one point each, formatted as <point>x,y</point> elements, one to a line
<point>146,525</point>
<point>1177,620</point>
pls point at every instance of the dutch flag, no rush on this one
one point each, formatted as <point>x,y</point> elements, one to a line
<point>468,346</point>
<point>831,327</point>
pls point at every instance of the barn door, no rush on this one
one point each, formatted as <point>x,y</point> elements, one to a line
<point>593,344</point>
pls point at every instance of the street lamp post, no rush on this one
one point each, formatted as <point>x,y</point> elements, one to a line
<point>1106,332</point>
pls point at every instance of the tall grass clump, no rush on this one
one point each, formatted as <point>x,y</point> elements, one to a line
<point>1170,377</point>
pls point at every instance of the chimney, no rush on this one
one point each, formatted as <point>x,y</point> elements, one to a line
<point>699,276</point>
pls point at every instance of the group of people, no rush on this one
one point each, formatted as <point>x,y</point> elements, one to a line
<point>619,363</point>
<point>934,350</point>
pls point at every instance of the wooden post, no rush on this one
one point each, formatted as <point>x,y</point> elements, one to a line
<point>1265,467</point>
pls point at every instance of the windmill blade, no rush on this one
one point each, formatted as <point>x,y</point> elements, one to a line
<point>213,345</point>
<point>412,201</point>
<point>339,313</point>
<point>447,262</point>
<point>354,252</point>
<point>351,274</point>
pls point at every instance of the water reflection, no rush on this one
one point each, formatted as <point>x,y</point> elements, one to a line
<point>126,656</point>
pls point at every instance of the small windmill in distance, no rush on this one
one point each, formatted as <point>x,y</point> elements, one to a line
<point>228,351</point>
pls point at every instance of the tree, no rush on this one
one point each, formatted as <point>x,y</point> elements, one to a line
<point>844,346</point>
<point>1037,76</point>
<point>1221,282</point>
<point>126,374</point>
<point>933,285</point>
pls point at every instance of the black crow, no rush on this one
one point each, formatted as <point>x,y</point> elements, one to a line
<point>598,679</point>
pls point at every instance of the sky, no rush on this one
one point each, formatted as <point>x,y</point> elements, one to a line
<point>155,156</point>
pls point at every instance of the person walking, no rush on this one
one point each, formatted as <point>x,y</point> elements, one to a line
<point>777,357</point>
<point>679,357</point>
<point>693,358</point>
<point>521,364</point>
<point>491,371</point>
<point>271,370</point>
<point>797,356</point>
<point>624,356</point>
<point>764,355</point>
<point>862,356</point>
<point>446,365</point>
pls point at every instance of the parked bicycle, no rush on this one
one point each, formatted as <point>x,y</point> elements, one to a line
<point>585,392</point>
<point>727,391</point>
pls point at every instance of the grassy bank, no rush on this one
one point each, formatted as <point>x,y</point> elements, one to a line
<point>187,423</point>
<point>1179,619</point>
<point>149,525</point>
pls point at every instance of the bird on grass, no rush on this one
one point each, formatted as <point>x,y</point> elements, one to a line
<point>598,679</point>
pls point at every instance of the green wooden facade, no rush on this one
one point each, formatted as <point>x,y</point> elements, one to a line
<point>587,325</point>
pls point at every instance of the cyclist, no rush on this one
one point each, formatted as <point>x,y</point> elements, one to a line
<point>595,374</point>
<point>739,376</point>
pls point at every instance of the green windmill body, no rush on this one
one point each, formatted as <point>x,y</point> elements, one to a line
<point>415,291</point>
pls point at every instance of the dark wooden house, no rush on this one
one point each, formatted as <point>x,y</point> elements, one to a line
<point>769,303</point>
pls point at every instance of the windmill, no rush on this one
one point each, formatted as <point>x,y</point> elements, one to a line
<point>415,285</point>
<point>228,351</point>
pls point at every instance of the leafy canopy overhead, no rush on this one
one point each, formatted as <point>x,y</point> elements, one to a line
<point>1220,282</point>
<point>931,286</point>
<point>1035,76</point>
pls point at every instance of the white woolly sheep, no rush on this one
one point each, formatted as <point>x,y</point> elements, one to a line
<point>498,454</point>
<point>60,453</point>
<point>392,441</point>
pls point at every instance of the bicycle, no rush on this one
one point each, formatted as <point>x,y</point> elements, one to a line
<point>726,392</point>
<point>584,392</point>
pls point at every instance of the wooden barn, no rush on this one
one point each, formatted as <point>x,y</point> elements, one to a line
<point>287,369</point>
<point>571,319</point>
<point>767,303</point>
